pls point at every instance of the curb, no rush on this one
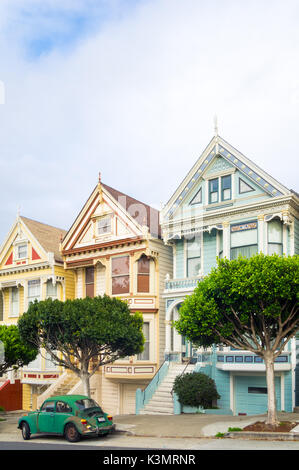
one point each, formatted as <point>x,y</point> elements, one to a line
<point>267,436</point>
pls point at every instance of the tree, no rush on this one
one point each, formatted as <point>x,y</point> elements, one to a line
<point>17,353</point>
<point>83,334</point>
<point>249,304</point>
<point>195,389</point>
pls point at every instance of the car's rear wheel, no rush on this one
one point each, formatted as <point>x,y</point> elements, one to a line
<point>71,433</point>
<point>25,431</point>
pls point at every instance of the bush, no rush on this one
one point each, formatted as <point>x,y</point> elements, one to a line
<point>195,389</point>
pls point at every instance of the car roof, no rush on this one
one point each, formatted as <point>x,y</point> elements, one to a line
<point>68,398</point>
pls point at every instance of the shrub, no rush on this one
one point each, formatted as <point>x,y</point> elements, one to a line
<point>195,389</point>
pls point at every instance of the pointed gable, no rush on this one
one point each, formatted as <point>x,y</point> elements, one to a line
<point>30,241</point>
<point>220,158</point>
<point>110,215</point>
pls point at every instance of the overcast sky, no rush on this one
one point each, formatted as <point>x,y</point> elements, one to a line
<point>129,88</point>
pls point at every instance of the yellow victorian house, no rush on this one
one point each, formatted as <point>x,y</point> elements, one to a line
<point>31,267</point>
<point>114,247</point>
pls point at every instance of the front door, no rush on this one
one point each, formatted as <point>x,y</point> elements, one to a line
<point>45,419</point>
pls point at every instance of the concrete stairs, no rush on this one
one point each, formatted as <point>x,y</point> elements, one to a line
<point>162,403</point>
<point>64,387</point>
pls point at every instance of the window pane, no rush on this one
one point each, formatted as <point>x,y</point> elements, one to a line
<point>120,285</point>
<point>243,238</point>
<point>14,301</point>
<point>104,225</point>
<point>226,182</point>
<point>89,275</point>
<point>143,283</point>
<point>214,185</point>
<point>194,247</point>
<point>275,248</point>
<point>226,194</point>
<point>51,289</point>
<point>89,290</point>
<point>22,251</point>
<point>34,290</point>
<point>120,265</point>
<point>143,265</point>
<point>193,267</point>
<point>144,356</point>
<point>246,251</point>
<point>275,231</point>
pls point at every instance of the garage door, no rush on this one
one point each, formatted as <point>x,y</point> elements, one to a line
<point>128,398</point>
<point>251,394</point>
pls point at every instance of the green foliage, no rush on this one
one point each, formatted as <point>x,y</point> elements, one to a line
<point>195,389</point>
<point>89,327</point>
<point>244,296</point>
<point>17,353</point>
<point>234,429</point>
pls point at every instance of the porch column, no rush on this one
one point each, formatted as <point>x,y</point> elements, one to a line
<point>168,336</point>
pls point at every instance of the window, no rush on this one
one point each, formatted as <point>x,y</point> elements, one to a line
<point>226,188</point>
<point>143,279</point>
<point>213,190</point>
<point>197,198</point>
<point>193,256</point>
<point>22,251</point>
<point>33,290</point>
<point>62,407</point>
<point>243,240</point>
<point>244,187</point>
<point>51,290</point>
<point>259,390</point>
<point>48,406</point>
<point>275,237</point>
<point>120,275</point>
<point>14,302</point>
<point>89,281</point>
<point>104,225</point>
<point>145,355</point>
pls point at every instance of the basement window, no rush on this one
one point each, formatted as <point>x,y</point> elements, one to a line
<point>259,390</point>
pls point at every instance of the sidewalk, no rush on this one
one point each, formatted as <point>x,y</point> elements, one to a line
<point>188,425</point>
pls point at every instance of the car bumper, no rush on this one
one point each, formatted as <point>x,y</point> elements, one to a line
<point>99,431</point>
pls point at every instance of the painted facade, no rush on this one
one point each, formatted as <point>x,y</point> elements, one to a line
<point>31,267</point>
<point>225,207</point>
<point>114,247</point>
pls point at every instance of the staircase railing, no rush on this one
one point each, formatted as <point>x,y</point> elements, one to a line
<point>182,373</point>
<point>144,396</point>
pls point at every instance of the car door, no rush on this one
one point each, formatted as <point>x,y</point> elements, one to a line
<point>62,413</point>
<point>45,420</point>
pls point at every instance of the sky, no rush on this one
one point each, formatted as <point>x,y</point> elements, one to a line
<point>130,88</point>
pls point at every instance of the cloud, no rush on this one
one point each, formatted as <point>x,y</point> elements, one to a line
<point>130,89</point>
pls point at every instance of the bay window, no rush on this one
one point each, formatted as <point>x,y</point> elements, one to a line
<point>120,275</point>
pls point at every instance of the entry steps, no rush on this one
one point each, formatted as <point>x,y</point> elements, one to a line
<point>162,402</point>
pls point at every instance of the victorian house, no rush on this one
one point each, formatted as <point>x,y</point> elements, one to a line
<point>227,206</point>
<point>31,267</point>
<point>114,247</point>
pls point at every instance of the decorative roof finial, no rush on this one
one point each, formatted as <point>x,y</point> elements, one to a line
<point>216,125</point>
<point>100,177</point>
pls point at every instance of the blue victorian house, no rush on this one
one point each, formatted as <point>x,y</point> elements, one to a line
<point>226,206</point>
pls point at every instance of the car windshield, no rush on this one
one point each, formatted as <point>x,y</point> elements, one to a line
<point>87,403</point>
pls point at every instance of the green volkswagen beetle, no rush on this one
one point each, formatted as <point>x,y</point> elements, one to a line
<point>72,416</point>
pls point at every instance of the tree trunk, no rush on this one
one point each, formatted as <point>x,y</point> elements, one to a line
<point>85,381</point>
<point>269,362</point>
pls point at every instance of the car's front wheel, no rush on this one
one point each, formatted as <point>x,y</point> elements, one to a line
<point>25,431</point>
<point>71,433</point>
